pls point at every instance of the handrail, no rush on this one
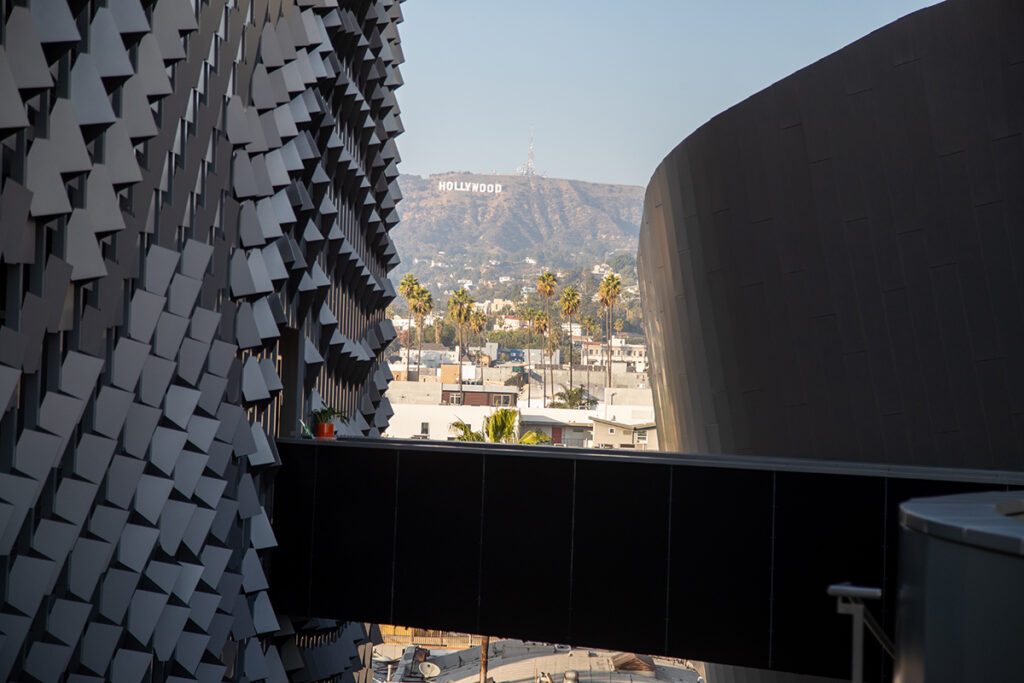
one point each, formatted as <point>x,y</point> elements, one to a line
<point>849,600</point>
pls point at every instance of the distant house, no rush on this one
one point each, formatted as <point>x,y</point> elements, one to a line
<point>571,428</point>
<point>475,395</point>
<point>612,434</point>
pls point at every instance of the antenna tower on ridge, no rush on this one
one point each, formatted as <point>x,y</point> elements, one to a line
<point>528,168</point>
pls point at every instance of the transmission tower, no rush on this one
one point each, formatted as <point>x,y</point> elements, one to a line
<point>528,168</point>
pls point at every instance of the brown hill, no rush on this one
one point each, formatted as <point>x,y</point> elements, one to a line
<point>559,222</point>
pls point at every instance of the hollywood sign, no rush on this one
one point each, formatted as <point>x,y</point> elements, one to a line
<point>459,186</point>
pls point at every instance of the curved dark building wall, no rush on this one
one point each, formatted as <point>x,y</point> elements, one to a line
<point>195,201</point>
<point>834,268</point>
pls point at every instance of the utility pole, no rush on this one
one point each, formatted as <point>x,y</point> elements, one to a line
<point>483,658</point>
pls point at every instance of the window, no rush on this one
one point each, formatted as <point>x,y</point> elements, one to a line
<point>611,430</point>
<point>455,399</point>
<point>503,400</point>
<point>424,428</point>
<point>641,436</point>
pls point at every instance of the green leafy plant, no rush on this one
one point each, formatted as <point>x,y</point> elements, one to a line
<point>326,414</point>
<point>499,427</point>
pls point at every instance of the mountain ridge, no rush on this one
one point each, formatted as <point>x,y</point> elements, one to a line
<point>483,216</point>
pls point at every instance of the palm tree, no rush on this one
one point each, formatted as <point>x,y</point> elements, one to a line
<point>408,288</point>
<point>421,304</point>
<point>527,313</point>
<point>499,427</point>
<point>619,324</point>
<point>546,284</point>
<point>570,303</point>
<point>569,397</point>
<point>465,432</point>
<point>611,287</point>
<point>460,307</point>
<point>540,324</point>
<point>478,323</point>
<point>589,328</point>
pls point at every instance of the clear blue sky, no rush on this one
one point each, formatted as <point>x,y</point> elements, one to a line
<point>610,87</point>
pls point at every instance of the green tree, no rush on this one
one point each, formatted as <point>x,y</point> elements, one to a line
<point>460,308</point>
<point>499,427</point>
<point>608,293</point>
<point>420,305</point>
<point>575,398</point>
<point>408,288</point>
<point>570,303</point>
<point>546,284</point>
<point>465,432</point>
<point>541,326</point>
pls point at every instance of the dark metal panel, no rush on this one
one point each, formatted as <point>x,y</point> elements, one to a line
<point>527,551</point>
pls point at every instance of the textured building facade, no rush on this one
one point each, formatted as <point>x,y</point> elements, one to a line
<point>195,202</point>
<point>833,267</point>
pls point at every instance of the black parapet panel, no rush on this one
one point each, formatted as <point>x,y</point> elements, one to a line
<point>827,530</point>
<point>527,552</point>
<point>354,484</point>
<point>437,539</point>
<point>826,264</point>
<point>721,565</point>
<point>295,501</point>
<point>620,542</point>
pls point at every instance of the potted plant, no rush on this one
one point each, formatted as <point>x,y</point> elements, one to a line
<point>323,420</point>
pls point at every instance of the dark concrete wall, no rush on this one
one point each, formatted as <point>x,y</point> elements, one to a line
<point>834,268</point>
<point>195,200</point>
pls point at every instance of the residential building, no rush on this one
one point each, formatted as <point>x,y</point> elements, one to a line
<point>632,356</point>
<point>476,395</point>
<point>613,434</point>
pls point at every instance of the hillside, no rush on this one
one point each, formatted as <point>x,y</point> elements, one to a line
<point>562,223</point>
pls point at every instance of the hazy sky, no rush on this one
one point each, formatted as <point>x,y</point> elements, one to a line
<point>610,87</point>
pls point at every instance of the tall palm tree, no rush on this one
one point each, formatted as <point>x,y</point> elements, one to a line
<point>540,324</point>
<point>590,329</point>
<point>527,313</point>
<point>546,284</point>
<point>570,303</point>
<point>478,323</point>
<point>460,307</point>
<point>421,305</point>
<point>611,287</point>
<point>408,288</point>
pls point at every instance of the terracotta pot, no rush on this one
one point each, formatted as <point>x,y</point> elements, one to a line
<point>325,430</point>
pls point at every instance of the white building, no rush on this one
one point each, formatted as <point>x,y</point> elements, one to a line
<point>620,426</point>
<point>509,322</point>
<point>635,355</point>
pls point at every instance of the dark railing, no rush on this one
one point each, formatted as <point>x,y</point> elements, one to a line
<point>715,558</point>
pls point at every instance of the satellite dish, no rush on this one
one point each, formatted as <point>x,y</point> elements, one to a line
<point>429,669</point>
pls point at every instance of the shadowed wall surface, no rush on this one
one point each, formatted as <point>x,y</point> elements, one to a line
<point>834,268</point>
<point>195,200</point>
